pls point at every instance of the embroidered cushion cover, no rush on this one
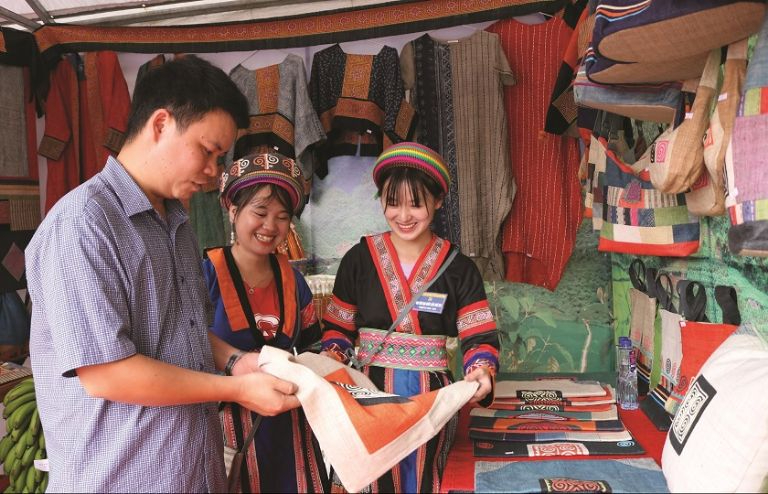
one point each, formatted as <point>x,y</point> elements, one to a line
<point>718,441</point>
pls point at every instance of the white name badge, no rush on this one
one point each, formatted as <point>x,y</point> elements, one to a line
<point>431,302</point>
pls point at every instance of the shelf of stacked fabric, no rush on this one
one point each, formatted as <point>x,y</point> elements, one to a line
<point>551,417</point>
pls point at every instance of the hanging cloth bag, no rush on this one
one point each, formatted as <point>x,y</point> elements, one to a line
<point>710,200</point>
<point>676,159</point>
<point>667,31</point>
<point>669,347</point>
<point>700,338</point>
<point>637,218</point>
<point>657,102</point>
<point>642,303</point>
<point>595,175</point>
<point>747,159</point>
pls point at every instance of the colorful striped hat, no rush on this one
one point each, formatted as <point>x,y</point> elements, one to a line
<point>258,168</point>
<point>413,155</point>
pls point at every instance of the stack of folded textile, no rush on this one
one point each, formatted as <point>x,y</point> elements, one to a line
<point>551,417</point>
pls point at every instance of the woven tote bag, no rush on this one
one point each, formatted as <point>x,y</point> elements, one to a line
<point>710,200</point>
<point>668,356</point>
<point>701,339</point>
<point>642,306</point>
<point>657,31</point>
<point>637,218</point>
<point>647,102</point>
<point>676,159</point>
<point>747,160</point>
<point>604,71</point>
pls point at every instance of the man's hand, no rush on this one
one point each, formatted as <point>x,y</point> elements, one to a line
<point>266,394</point>
<point>482,376</point>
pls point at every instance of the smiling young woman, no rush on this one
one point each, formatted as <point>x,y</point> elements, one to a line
<point>260,299</point>
<point>376,283</point>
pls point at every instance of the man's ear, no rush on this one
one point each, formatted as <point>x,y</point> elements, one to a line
<point>159,122</point>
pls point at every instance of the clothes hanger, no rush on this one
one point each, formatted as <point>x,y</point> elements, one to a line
<point>454,35</point>
<point>248,57</point>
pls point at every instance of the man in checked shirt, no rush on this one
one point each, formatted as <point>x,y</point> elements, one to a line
<point>125,368</point>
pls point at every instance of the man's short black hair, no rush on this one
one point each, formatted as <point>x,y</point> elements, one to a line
<point>189,88</point>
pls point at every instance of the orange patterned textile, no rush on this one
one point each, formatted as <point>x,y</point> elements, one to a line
<point>363,432</point>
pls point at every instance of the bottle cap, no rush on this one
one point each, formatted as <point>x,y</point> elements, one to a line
<point>625,342</point>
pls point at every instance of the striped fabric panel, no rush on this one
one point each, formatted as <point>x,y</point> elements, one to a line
<point>749,211</point>
<point>24,213</point>
<point>755,101</point>
<point>5,212</point>
<point>648,198</point>
<point>612,13</point>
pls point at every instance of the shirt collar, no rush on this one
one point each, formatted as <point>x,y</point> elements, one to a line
<point>132,198</point>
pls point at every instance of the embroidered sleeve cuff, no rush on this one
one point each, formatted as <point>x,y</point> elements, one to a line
<point>490,363</point>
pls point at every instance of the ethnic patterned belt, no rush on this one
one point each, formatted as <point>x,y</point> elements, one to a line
<point>403,350</point>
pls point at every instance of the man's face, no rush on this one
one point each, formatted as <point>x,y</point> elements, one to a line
<point>188,160</point>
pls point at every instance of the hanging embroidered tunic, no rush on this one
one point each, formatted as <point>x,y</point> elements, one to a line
<point>426,68</point>
<point>285,456</point>
<point>369,291</point>
<point>460,95</point>
<point>282,117</point>
<point>359,99</point>
<point>540,231</point>
<point>86,115</point>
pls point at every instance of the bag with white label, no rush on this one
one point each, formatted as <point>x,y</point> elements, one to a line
<point>710,201</point>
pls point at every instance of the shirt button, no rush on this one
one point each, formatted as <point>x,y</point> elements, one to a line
<point>200,366</point>
<point>182,280</point>
<point>192,322</point>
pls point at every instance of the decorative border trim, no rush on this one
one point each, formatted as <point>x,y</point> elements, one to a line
<point>287,32</point>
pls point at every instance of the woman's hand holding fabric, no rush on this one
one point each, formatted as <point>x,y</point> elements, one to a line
<point>482,376</point>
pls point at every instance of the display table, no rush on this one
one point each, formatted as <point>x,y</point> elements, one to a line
<point>459,475</point>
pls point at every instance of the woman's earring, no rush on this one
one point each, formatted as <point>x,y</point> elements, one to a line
<point>232,234</point>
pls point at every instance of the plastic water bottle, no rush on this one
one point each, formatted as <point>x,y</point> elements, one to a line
<point>626,385</point>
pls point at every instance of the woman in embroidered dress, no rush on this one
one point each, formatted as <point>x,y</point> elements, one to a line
<point>376,279</point>
<point>259,299</point>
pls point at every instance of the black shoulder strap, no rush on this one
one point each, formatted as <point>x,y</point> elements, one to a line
<point>664,290</point>
<point>693,300</point>
<point>726,299</point>
<point>360,364</point>
<point>637,275</point>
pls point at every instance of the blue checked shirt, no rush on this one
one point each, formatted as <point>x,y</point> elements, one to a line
<point>110,278</point>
